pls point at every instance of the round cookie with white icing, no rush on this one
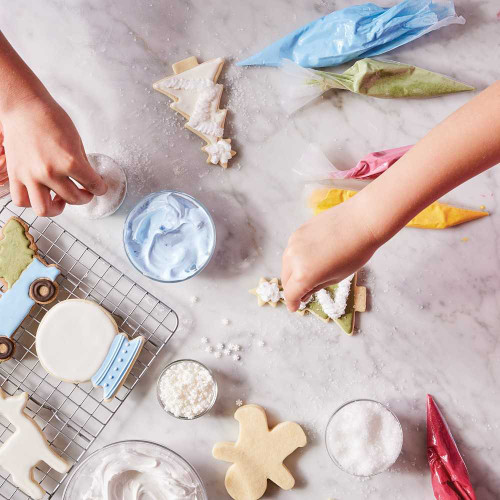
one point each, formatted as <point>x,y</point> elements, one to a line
<point>78,341</point>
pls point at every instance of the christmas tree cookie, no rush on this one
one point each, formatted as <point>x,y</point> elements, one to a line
<point>196,95</point>
<point>338,303</point>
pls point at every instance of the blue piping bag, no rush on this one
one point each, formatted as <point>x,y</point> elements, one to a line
<point>359,31</point>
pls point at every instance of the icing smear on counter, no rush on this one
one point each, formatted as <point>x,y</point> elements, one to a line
<point>132,475</point>
<point>169,236</point>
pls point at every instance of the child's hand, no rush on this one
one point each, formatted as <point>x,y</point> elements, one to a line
<point>325,250</point>
<point>44,152</point>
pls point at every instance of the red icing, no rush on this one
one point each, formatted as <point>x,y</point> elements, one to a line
<point>450,479</point>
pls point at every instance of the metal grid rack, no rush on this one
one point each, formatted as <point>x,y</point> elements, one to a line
<point>72,416</point>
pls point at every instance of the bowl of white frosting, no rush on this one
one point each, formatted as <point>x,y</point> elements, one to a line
<point>169,236</point>
<point>134,470</point>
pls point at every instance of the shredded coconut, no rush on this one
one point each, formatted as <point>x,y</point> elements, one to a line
<point>269,292</point>
<point>187,389</point>
<point>335,307</point>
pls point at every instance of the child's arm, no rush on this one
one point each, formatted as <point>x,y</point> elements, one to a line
<point>42,147</point>
<point>337,242</point>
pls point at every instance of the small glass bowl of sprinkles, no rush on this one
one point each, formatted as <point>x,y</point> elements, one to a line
<point>364,438</point>
<point>186,389</point>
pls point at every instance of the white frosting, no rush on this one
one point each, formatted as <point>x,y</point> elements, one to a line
<point>132,475</point>
<point>73,339</point>
<point>269,292</point>
<point>219,152</point>
<point>335,307</point>
<point>26,447</point>
<point>198,97</point>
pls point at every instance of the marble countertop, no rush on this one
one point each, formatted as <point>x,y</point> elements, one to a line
<point>432,323</point>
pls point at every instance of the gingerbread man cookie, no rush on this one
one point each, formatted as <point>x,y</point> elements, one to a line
<point>78,341</point>
<point>25,280</point>
<point>26,447</point>
<point>196,95</point>
<point>258,454</point>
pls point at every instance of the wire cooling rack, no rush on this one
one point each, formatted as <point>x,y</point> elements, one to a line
<point>73,416</point>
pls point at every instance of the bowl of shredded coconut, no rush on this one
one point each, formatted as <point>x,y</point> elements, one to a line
<point>134,469</point>
<point>364,438</point>
<point>186,389</point>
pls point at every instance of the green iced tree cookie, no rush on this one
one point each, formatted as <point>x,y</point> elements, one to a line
<point>16,251</point>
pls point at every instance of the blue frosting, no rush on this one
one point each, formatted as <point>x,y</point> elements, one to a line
<point>116,365</point>
<point>355,32</point>
<point>15,303</point>
<point>169,236</point>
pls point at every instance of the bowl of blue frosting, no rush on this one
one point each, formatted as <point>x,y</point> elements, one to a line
<point>169,236</point>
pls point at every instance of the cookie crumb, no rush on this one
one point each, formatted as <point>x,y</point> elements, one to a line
<point>482,207</point>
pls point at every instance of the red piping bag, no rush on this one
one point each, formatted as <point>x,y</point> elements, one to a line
<point>450,479</point>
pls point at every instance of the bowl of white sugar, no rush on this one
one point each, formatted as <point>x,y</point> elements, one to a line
<point>186,389</point>
<point>364,438</point>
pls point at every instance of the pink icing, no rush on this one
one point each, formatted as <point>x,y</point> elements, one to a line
<point>372,165</point>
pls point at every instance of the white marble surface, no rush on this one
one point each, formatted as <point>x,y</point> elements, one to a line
<point>432,324</point>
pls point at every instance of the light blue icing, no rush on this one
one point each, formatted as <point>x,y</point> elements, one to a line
<point>116,365</point>
<point>355,32</point>
<point>169,236</point>
<point>15,303</point>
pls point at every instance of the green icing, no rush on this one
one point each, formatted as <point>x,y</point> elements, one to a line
<point>15,252</point>
<point>346,321</point>
<point>385,79</point>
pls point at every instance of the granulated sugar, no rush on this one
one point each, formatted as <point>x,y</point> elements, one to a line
<point>364,438</point>
<point>187,389</point>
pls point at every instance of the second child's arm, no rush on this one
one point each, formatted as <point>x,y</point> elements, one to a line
<point>339,241</point>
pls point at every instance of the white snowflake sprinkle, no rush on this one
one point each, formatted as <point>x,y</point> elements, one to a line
<point>225,321</point>
<point>227,352</point>
<point>209,348</point>
<point>236,357</point>
<point>194,299</point>
<point>236,348</point>
<point>204,340</point>
<point>239,402</point>
<point>261,343</point>
<point>218,355</point>
<point>220,346</point>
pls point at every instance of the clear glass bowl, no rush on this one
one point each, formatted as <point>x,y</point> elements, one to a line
<point>196,202</point>
<point>81,477</point>
<point>329,424</point>
<point>214,399</point>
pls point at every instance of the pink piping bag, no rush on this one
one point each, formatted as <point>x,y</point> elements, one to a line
<point>450,479</point>
<point>315,166</point>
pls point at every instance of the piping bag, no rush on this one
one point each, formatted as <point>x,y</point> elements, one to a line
<point>370,77</point>
<point>315,166</point>
<point>358,31</point>
<point>450,479</point>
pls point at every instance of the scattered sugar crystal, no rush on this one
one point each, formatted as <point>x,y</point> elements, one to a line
<point>239,402</point>
<point>365,438</point>
<point>187,389</point>
<point>204,340</point>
